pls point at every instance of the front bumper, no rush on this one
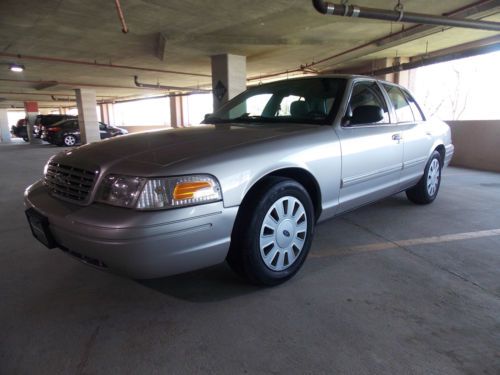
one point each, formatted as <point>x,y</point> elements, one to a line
<point>139,244</point>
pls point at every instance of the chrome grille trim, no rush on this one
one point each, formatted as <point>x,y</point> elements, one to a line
<point>70,183</point>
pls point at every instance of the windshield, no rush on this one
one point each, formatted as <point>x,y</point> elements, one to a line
<point>308,100</point>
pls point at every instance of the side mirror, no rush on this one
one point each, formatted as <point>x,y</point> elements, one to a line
<point>367,114</point>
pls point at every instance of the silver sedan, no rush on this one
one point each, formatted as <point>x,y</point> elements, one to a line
<point>247,187</point>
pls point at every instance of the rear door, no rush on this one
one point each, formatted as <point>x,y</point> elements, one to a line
<point>417,138</point>
<point>372,153</point>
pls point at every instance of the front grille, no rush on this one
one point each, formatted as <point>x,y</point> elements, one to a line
<point>70,183</point>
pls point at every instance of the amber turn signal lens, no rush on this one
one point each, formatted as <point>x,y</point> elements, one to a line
<point>186,190</point>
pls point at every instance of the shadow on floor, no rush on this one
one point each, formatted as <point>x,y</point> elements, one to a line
<point>212,284</point>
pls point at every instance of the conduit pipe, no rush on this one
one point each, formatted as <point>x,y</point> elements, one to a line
<point>99,65</point>
<point>399,15</point>
<point>163,87</point>
<point>78,84</point>
<point>121,16</point>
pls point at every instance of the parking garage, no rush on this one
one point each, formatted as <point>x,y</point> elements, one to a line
<point>390,287</point>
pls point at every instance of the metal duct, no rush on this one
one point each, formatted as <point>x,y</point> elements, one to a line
<point>399,15</point>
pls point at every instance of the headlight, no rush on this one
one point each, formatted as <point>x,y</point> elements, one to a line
<point>120,190</point>
<point>159,193</point>
<point>180,191</point>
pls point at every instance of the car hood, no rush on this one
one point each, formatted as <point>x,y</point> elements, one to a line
<point>165,147</point>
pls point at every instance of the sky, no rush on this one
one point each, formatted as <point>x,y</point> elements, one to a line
<point>465,89</point>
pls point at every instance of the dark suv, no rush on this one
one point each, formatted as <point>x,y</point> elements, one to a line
<point>67,132</point>
<point>43,121</point>
<point>20,129</point>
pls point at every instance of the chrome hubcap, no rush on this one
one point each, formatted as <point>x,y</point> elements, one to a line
<point>433,177</point>
<point>70,141</point>
<point>283,233</point>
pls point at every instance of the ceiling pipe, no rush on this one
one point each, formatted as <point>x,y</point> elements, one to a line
<point>163,87</point>
<point>99,65</point>
<point>121,16</point>
<point>40,94</point>
<point>80,84</point>
<point>153,97</point>
<point>399,15</point>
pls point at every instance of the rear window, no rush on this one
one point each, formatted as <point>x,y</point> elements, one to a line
<point>401,106</point>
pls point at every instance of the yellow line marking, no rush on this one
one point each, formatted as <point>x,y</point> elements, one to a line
<point>403,243</point>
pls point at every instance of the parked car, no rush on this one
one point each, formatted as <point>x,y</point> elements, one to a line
<point>20,129</point>
<point>249,186</point>
<point>43,121</point>
<point>67,132</point>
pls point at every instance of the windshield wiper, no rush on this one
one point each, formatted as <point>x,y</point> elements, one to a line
<point>253,118</point>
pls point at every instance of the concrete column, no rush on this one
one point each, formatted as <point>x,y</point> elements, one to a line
<point>31,109</point>
<point>402,78</point>
<point>87,115</point>
<point>4,126</point>
<point>229,77</point>
<point>176,112</point>
<point>381,64</point>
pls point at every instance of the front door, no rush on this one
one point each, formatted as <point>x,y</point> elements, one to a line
<point>372,152</point>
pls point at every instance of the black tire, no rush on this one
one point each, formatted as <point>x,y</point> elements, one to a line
<point>69,140</point>
<point>26,139</point>
<point>421,193</point>
<point>246,257</point>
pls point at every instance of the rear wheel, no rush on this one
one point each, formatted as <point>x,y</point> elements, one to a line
<point>273,232</point>
<point>69,140</point>
<point>428,187</point>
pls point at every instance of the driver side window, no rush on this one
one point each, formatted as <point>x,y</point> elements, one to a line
<point>366,106</point>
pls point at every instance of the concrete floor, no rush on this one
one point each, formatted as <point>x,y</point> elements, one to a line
<point>367,301</point>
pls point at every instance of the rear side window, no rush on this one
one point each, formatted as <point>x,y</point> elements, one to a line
<point>400,104</point>
<point>417,112</point>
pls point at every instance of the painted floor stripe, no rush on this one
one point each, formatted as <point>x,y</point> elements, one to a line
<point>403,243</point>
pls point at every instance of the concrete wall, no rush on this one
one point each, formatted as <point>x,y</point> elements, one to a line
<point>477,144</point>
<point>143,128</point>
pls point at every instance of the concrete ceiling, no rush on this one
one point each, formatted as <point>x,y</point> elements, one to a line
<point>275,36</point>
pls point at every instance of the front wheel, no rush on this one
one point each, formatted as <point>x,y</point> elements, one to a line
<point>427,188</point>
<point>69,140</point>
<point>273,232</point>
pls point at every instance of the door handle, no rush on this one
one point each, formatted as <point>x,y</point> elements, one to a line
<point>397,137</point>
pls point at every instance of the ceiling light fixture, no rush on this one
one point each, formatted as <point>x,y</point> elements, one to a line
<point>16,68</point>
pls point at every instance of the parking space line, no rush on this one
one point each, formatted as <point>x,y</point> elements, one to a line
<point>403,243</point>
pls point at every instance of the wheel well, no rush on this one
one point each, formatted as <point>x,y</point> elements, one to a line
<point>304,178</point>
<point>441,151</point>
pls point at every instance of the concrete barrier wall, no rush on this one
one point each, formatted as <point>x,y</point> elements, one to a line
<point>143,128</point>
<point>477,144</point>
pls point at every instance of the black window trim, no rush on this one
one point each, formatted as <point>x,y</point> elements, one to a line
<point>384,97</point>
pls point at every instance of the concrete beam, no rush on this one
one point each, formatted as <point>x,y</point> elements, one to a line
<point>161,49</point>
